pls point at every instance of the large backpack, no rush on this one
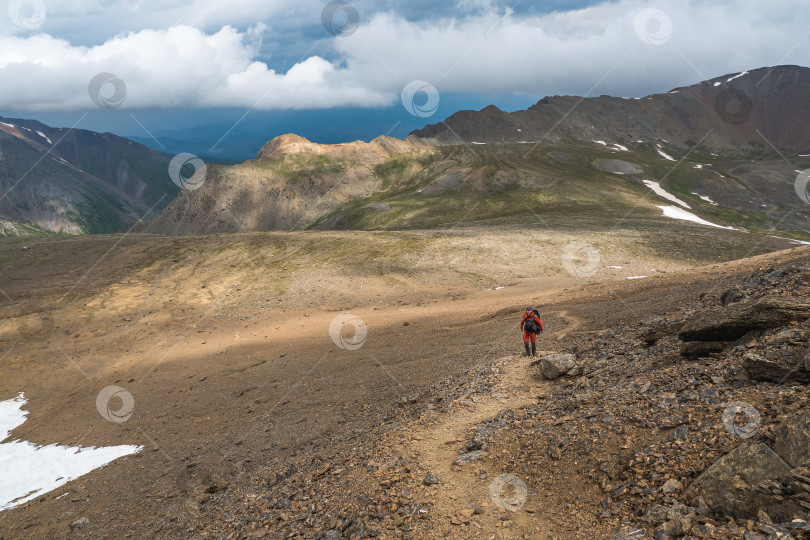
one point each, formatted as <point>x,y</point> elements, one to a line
<point>530,326</point>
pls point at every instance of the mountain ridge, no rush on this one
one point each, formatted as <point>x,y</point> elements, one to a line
<point>725,112</point>
<point>708,161</point>
<point>74,181</point>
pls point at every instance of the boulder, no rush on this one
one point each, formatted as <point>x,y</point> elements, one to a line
<point>469,457</point>
<point>760,368</point>
<point>80,523</point>
<point>431,480</point>
<point>731,296</point>
<point>734,321</point>
<point>792,440</point>
<point>655,515</point>
<point>657,328</point>
<point>731,484</point>
<point>555,365</point>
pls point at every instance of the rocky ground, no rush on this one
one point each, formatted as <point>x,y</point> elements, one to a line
<point>694,422</point>
<point>255,424</point>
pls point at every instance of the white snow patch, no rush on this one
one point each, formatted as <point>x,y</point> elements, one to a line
<point>29,470</point>
<point>9,125</point>
<point>665,155</point>
<point>661,192</point>
<point>737,76</point>
<point>718,83</point>
<point>520,130</point>
<point>698,166</point>
<point>636,277</point>
<point>479,143</point>
<point>804,155</point>
<point>791,240</point>
<point>705,198</point>
<point>44,137</point>
<point>679,213</point>
<point>603,143</point>
<point>615,267</point>
<point>620,147</point>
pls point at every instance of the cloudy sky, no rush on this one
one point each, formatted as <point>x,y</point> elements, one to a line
<point>312,55</point>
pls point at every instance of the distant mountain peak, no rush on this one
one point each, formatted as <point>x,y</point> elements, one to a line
<point>379,148</point>
<point>76,181</point>
<point>728,112</point>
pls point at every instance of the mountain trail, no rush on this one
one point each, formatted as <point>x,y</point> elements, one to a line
<point>466,489</point>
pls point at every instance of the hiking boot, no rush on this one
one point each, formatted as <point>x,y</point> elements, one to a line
<point>534,349</point>
<point>525,344</point>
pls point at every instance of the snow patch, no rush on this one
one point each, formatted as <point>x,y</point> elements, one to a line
<point>661,192</point>
<point>44,137</point>
<point>737,76</point>
<point>791,240</point>
<point>479,143</point>
<point>679,213</point>
<point>30,470</point>
<point>698,166</point>
<point>665,155</point>
<point>603,143</point>
<point>620,147</point>
<point>718,83</point>
<point>705,198</point>
<point>9,125</point>
<point>636,277</point>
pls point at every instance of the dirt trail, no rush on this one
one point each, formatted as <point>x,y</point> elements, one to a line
<point>464,490</point>
<point>469,488</point>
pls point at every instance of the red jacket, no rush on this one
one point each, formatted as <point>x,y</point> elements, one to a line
<point>533,317</point>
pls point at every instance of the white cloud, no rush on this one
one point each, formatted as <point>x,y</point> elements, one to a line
<point>570,52</point>
<point>178,67</point>
<point>199,63</point>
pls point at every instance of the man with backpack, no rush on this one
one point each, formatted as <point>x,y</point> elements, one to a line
<point>531,325</point>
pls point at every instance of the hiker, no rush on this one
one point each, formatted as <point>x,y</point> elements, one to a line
<point>531,325</point>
